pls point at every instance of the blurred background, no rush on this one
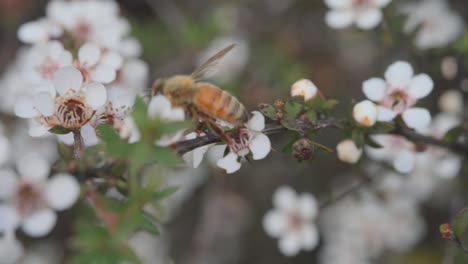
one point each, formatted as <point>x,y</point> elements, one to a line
<point>217,218</point>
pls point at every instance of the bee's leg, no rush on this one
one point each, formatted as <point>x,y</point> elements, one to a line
<point>198,126</point>
<point>219,131</point>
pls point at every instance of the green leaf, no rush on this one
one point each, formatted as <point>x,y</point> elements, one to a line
<point>114,144</point>
<point>383,127</point>
<point>164,193</point>
<point>311,115</point>
<point>358,137</point>
<point>291,124</point>
<point>453,134</point>
<point>135,222</point>
<point>268,110</point>
<point>460,223</point>
<point>59,130</point>
<point>168,128</point>
<point>330,104</point>
<point>371,142</point>
<point>292,109</point>
<point>166,156</point>
<point>140,114</point>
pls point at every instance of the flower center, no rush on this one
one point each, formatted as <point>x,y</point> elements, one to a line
<point>241,141</point>
<point>295,221</point>
<point>398,100</point>
<point>28,198</point>
<point>361,4</point>
<point>82,31</point>
<point>47,69</point>
<point>73,113</point>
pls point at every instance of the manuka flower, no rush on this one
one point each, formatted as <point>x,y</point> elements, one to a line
<point>292,221</point>
<point>30,200</point>
<point>398,94</point>
<point>366,14</point>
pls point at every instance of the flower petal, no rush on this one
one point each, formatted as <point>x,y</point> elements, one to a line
<point>275,223</point>
<point>11,249</point>
<point>229,163</point>
<point>44,103</point>
<point>285,198</point>
<point>399,74</point>
<point>260,146</point>
<point>256,122</point>
<point>369,19</point>
<point>290,244</point>
<point>374,89</point>
<point>309,237</point>
<point>62,191</point>
<point>9,218</point>
<point>24,107</point>
<point>339,19</point>
<point>112,59</point>
<point>67,78</point>
<point>385,114</point>
<point>448,167</point>
<point>420,86</point>
<point>37,130</point>
<point>338,3</point>
<point>33,167</point>
<point>103,74</point>
<point>4,149</point>
<point>39,223</point>
<point>65,59</point>
<point>404,162</point>
<point>89,54</point>
<point>96,95</point>
<point>158,106</point>
<point>9,181</point>
<point>90,138</point>
<point>307,206</point>
<point>417,118</point>
<point>365,113</point>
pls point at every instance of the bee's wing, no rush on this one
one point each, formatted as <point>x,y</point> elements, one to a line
<point>211,62</point>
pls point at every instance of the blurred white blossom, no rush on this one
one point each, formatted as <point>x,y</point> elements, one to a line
<point>451,101</point>
<point>292,221</point>
<point>160,107</point>
<point>398,94</point>
<point>31,199</point>
<point>366,14</point>
<point>11,249</point>
<point>436,24</point>
<point>396,150</point>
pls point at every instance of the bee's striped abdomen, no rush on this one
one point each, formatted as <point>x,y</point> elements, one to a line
<point>219,104</point>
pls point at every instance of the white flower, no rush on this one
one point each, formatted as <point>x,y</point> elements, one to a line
<point>249,140</point>
<point>67,102</point>
<point>398,93</point>
<point>160,107</point>
<point>348,151</point>
<point>292,221</point>
<point>365,113</point>
<point>11,249</point>
<point>39,31</point>
<point>97,65</point>
<point>436,24</point>
<point>195,157</point>
<point>43,60</point>
<point>29,200</point>
<point>451,101</point>
<point>396,150</point>
<point>304,88</point>
<point>366,14</point>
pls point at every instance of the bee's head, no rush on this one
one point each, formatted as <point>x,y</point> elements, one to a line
<point>158,87</point>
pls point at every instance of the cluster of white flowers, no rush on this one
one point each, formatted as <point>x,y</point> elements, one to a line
<point>97,86</point>
<point>436,25</point>
<point>358,230</point>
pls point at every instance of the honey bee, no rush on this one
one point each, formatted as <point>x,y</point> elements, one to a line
<point>203,102</point>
